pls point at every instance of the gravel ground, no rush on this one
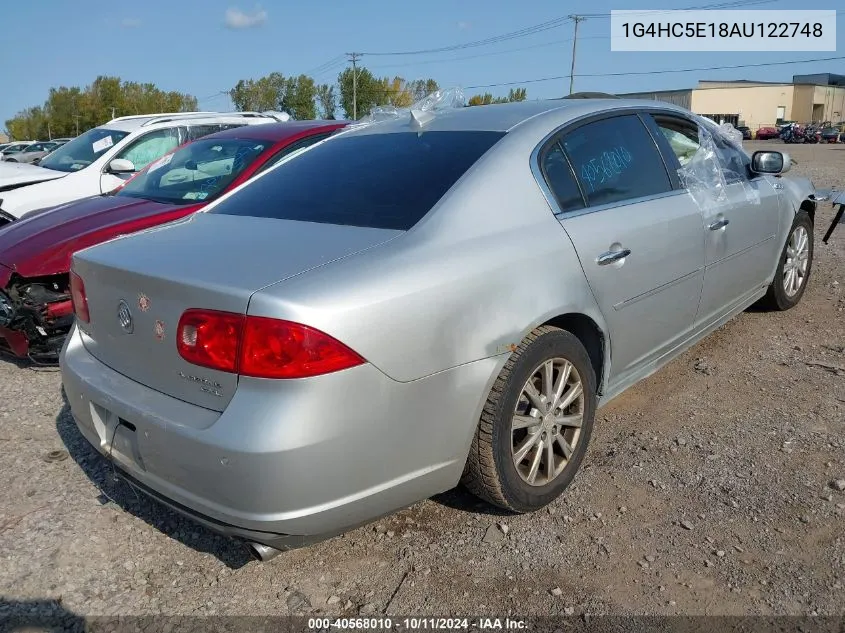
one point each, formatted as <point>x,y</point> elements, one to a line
<point>713,487</point>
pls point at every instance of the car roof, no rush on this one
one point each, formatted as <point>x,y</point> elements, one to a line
<point>172,119</point>
<point>275,132</point>
<point>504,117</point>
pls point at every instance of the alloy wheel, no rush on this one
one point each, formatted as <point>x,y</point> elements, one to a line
<point>797,260</point>
<point>547,420</point>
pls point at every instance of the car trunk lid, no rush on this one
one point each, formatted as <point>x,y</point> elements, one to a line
<point>212,262</point>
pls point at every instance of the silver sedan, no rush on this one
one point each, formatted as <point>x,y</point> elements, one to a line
<point>442,297</point>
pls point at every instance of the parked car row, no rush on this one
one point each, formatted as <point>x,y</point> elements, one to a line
<point>102,159</point>
<point>364,299</point>
<point>35,251</point>
<point>32,153</point>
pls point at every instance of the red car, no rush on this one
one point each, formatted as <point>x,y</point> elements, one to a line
<point>35,251</point>
<point>766,133</point>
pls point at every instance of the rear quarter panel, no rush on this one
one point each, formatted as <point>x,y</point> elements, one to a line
<point>486,266</point>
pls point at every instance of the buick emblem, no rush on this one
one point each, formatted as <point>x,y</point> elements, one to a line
<point>124,317</point>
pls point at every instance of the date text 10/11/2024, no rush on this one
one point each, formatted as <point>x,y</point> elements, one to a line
<point>415,624</point>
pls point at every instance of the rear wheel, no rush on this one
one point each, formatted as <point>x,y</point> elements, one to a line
<point>535,425</point>
<point>796,263</point>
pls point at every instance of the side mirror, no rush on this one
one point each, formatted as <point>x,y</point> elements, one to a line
<point>191,165</point>
<point>121,166</point>
<point>770,162</point>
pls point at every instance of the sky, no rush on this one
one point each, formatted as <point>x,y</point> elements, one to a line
<point>203,47</point>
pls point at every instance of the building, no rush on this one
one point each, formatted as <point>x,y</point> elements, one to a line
<point>807,99</point>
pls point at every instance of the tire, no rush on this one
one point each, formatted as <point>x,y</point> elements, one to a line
<point>777,297</point>
<point>11,160</point>
<point>491,472</point>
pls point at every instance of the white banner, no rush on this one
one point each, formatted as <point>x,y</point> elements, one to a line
<point>718,30</point>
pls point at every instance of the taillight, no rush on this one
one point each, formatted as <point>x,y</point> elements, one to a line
<point>77,295</point>
<point>259,347</point>
<point>281,349</point>
<point>210,338</point>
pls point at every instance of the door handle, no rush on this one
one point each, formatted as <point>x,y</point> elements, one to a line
<point>612,256</point>
<point>718,224</point>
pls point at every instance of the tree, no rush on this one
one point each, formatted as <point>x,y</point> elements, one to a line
<point>421,88</point>
<point>372,91</point>
<point>368,92</point>
<point>69,108</point>
<point>327,101</point>
<point>518,94</point>
<point>299,99</point>
<point>266,93</point>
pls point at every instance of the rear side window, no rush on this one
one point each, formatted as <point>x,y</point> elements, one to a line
<point>387,181</point>
<point>615,160</point>
<point>562,183</point>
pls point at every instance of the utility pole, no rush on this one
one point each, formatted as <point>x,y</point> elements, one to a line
<point>77,117</point>
<point>354,57</point>
<point>112,112</point>
<point>49,133</point>
<point>576,19</point>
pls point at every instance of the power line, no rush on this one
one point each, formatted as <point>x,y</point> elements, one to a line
<point>325,65</point>
<point>556,22</point>
<point>733,4</point>
<point>530,30</point>
<point>658,72</point>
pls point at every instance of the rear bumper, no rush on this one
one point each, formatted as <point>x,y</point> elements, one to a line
<point>287,462</point>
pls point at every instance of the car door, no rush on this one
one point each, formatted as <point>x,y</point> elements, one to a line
<point>638,237</point>
<point>141,152</point>
<point>740,225</point>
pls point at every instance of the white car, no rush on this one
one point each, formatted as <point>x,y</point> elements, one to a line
<point>102,159</point>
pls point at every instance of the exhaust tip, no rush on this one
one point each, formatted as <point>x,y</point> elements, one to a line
<point>261,552</point>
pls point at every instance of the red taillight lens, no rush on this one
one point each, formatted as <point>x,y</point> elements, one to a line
<point>281,349</point>
<point>77,295</point>
<point>259,347</point>
<point>210,338</point>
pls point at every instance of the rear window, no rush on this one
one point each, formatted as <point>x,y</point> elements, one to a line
<point>386,181</point>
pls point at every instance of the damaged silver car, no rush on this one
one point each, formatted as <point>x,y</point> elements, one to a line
<point>438,297</point>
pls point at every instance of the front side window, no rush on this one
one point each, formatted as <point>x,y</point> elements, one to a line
<point>682,137</point>
<point>198,172</point>
<point>83,150</point>
<point>15,148</point>
<point>152,146</point>
<point>615,160</point>
<point>387,181</point>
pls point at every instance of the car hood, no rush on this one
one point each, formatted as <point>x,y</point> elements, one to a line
<point>42,242</point>
<point>19,174</point>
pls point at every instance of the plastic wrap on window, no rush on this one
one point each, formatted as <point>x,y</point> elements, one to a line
<point>709,170</point>
<point>424,109</point>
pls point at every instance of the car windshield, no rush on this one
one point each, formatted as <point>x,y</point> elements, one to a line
<point>83,150</point>
<point>199,171</point>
